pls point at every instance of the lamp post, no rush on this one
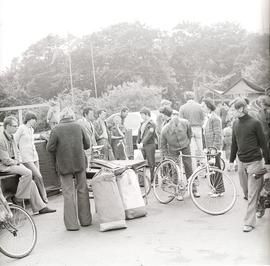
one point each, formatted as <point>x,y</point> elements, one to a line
<point>93,69</point>
<point>70,78</point>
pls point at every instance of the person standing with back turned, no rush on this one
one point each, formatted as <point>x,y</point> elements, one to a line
<point>193,112</point>
<point>68,140</point>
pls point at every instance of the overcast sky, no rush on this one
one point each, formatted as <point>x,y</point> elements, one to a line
<point>24,22</point>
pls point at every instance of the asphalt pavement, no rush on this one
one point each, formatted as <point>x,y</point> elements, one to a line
<point>174,234</point>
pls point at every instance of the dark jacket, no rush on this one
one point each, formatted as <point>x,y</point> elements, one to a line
<point>68,140</point>
<point>149,135</point>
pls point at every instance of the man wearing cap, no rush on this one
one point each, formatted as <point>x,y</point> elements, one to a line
<point>249,144</point>
<point>193,112</point>
<point>146,140</point>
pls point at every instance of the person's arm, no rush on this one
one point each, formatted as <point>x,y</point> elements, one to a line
<point>17,135</point>
<point>189,131</point>
<point>163,145</point>
<point>217,133</point>
<point>116,133</point>
<point>4,155</point>
<point>181,112</point>
<point>86,140</point>
<point>234,147</point>
<point>149,134</point>
<point>262,142</point>
<point>97,129</point>
<point>52,143</point>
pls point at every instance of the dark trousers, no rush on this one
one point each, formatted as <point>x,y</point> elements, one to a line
<point>216,179</point>
<point>187,161</point>
<point>148,152</point>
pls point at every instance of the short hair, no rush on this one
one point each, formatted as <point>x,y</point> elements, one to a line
<point>209,104</point>
<point>265,101</point>
<point>189,95</point>
<point>124,109</point>
<point>67,113</point>
<point>100,111</point>
<point>86,111</point>
<point>240,102</point>
<point>145,111</point>
<point>247,100</point>
<point>29,116</point>
<point>166,111</point>
<point>8,120</point>
<point>165,102</point>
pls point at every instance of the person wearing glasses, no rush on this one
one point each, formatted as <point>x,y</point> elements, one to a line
<point>10,162</point>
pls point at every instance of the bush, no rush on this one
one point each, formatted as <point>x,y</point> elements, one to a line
<point>134,95</point>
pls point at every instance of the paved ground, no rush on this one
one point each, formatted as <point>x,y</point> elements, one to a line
<point>173,234</point>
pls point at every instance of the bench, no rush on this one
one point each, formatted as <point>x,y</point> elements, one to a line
<point>8,183</point>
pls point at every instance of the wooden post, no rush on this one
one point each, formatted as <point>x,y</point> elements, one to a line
<point>20,116</point>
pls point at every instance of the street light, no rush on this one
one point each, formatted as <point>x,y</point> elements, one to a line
<point>93,68</point>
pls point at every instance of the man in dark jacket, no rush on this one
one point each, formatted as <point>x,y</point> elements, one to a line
<point>146,140</point>
<point>68,140</point>
<point>249,144</point>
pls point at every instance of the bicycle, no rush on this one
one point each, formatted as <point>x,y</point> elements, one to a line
<point>18,234</point>
<point>170,183</point>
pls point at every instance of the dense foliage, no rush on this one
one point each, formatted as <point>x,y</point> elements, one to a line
<point>133,63</point>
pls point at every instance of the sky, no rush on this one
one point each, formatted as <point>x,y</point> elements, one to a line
<point>24,22</point>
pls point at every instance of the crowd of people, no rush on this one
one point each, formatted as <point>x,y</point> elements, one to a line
<point>242,133</point>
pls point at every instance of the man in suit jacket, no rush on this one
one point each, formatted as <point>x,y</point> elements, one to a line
<point>146,140</point>
<point>87,123</point>
<point>102,135</point>
<point>10,162</point>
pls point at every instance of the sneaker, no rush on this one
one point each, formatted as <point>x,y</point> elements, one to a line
<point>196,194</point>
<point>260,214</point>
<point>216,195</point>
<point>46,210</point>
<point>16,201</point>
<point>180,198</point>
<point>247,228</point>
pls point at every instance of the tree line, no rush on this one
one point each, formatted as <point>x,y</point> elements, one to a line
<point>134,57</point>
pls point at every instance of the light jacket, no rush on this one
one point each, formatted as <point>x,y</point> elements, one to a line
<point>6,152</point>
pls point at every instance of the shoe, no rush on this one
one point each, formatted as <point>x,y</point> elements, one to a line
<point>180,198</point>
<point>46,210</point>
<point>216,195</point>
<point>247,228</point>
<point>196,194</point>
<point>245,198</point>
<point>16,202</point>
<point>260,214</point>
<point>77,229</point>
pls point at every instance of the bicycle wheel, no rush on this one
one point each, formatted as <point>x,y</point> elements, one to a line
<point>166,181</point>
<point>217,191</point>
<point>18,235</point>
<point>145,184</point>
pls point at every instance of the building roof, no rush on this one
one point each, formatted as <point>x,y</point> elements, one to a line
<point>244,84</point>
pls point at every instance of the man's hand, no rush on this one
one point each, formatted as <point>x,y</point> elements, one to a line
<point>267,166</point>
<point>140,146</point>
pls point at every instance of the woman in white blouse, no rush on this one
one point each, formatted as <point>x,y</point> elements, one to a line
<point>24,137</point>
